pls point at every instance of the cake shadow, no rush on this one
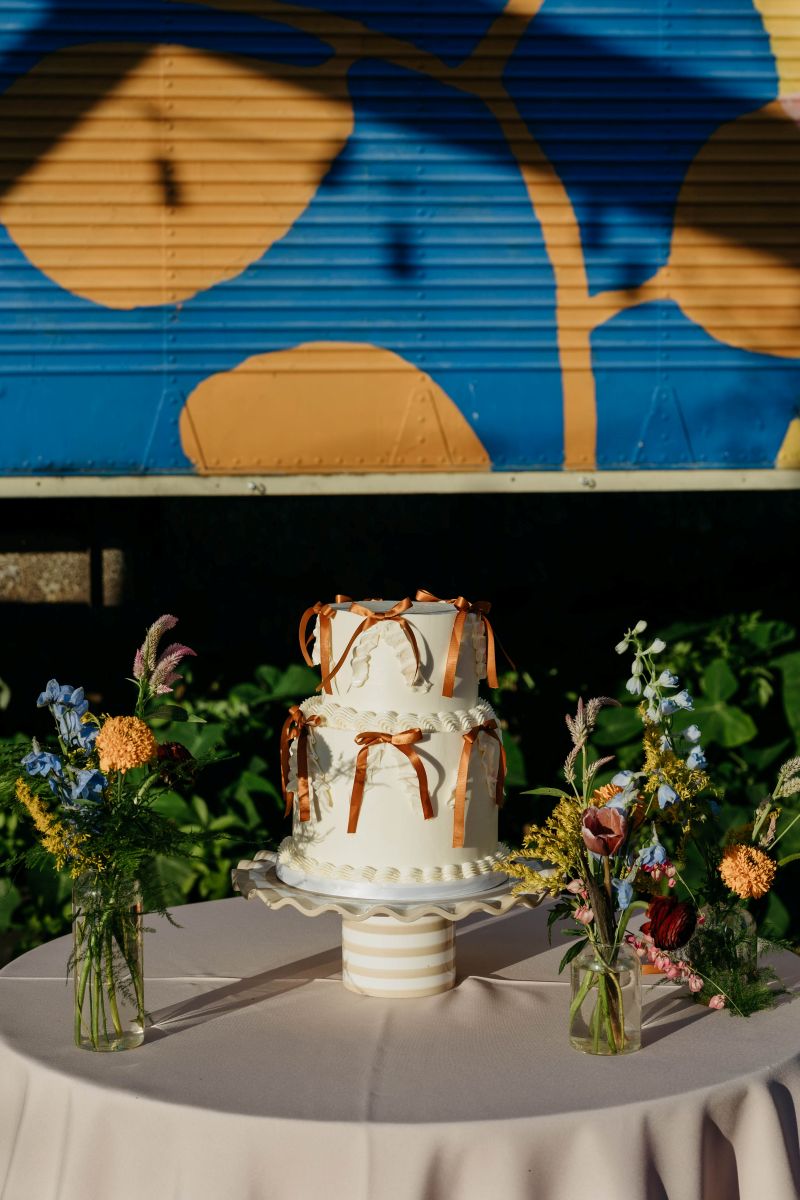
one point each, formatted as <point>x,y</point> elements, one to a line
<point>243,993</point>
<point>488,945</point>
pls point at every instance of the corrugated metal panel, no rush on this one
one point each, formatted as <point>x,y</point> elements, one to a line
<point>248,237</point>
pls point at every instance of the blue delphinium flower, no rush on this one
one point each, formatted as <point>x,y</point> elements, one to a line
<point>634,685</point>
<point>666,796</point>
<point>624,891</point>
<point>692,734</point>
<point>652,855</point>
<point>696,757</point>
<point>52,694</point>
<point>73,698</point>
<point>42,762</point>
<point>684,700</point>
<point>87,735</point>
<point>667,679</point>
<point>88,785</point>
<point>68,724</point>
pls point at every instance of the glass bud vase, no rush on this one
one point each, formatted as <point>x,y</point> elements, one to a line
<point>605,1015</point>
<point>107,962</point>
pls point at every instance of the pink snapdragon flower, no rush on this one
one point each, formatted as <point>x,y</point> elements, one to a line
<point>583,914</point>
<point>717,1001</point>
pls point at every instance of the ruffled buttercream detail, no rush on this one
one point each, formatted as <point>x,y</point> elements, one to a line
<point>365,645</point>
<point>479,648</point>
<point>320,782</point>
<point>342,716</point>
<point>290,855</point>
<point>489,759</point>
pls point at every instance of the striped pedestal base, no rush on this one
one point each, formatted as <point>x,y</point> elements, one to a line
<point>399,960</point>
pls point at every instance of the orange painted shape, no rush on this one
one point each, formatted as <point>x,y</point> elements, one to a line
<point>789,454</point>
<point>143,174</point>
<point>326,407</point>
<point>734,265</point>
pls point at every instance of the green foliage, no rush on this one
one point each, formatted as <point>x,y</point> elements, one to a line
<point>235,804</point>
<point>748,729</point>
<point>743,671</point>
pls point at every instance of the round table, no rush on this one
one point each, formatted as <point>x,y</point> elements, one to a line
<point>264,1077</point>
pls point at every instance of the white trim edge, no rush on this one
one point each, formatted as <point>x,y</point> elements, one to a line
<point>23,487</point>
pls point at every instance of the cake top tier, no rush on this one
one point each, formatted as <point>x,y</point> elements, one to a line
<point>407,656</point>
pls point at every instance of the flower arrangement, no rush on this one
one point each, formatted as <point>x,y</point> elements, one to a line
<point>608,845</point>
<point>91,797</point>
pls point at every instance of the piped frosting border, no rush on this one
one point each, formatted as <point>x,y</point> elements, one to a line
<point>341,716</point>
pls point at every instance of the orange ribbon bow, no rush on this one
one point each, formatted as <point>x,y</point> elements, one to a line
<point>395,613</point>
<point>470,739</point>
<point>404,742</point>
<point>464,606</point>
<point>296,726</point>
<point>324,612</point>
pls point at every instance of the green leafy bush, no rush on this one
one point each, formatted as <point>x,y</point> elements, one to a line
<point>743,670</point>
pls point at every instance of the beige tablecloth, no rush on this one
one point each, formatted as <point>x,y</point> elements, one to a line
<point>264,1079</point>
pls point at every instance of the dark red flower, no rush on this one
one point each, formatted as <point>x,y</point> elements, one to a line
<point>604,830</point>
<point>170,755</point>
<point>174,752</point>
<point>671,922</point>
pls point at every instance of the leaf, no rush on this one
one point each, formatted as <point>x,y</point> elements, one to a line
<point>789,667</point>
<point>173,807</point>
<point>723,723</point>
<point>168,712</point>
<point>295,683</point>
<point>201,808</point>
<point>766,635</point>
<point>9,899</point>
<point>543,791</point>
<point>573,952</point>
<point>616,726</point>
<point>516,775</point>
<point>718,681</point>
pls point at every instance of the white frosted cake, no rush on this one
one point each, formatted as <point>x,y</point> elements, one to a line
<point>394,772</point>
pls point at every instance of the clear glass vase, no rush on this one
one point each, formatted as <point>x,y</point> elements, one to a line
<point>107,962</point>
<point>605,1015</point>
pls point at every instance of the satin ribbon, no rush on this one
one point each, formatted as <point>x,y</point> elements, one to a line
<point>404,742</point>
<point>395,613</point>
<point>296,726</point>
<point>470,738</point>
<point>324,612</point>
<point>464,606</point>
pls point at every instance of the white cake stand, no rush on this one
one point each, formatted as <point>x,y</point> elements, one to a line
<point>394,949</point>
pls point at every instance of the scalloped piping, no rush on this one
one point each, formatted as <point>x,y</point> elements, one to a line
<point>449,873</point>
<point>340,716</point>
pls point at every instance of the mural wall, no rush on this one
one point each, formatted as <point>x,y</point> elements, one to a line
<point>242,236</point>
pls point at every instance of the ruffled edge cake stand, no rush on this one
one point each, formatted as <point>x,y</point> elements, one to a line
<point>392,949</point>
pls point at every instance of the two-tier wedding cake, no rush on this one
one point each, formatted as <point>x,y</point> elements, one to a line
<point>394,772</point>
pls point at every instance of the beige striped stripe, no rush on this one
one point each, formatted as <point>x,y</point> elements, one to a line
<point>390,952</point>
<point>411,928</point>
<point>411,994</point>
<point>382,973</point>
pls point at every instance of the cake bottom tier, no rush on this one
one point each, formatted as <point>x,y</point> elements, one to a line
<point>399,813</point>
<point>452,882</point>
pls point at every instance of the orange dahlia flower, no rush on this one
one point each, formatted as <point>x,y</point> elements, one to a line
<point>124,743</point>
<point>602,795</point>
<point>747,871</point>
